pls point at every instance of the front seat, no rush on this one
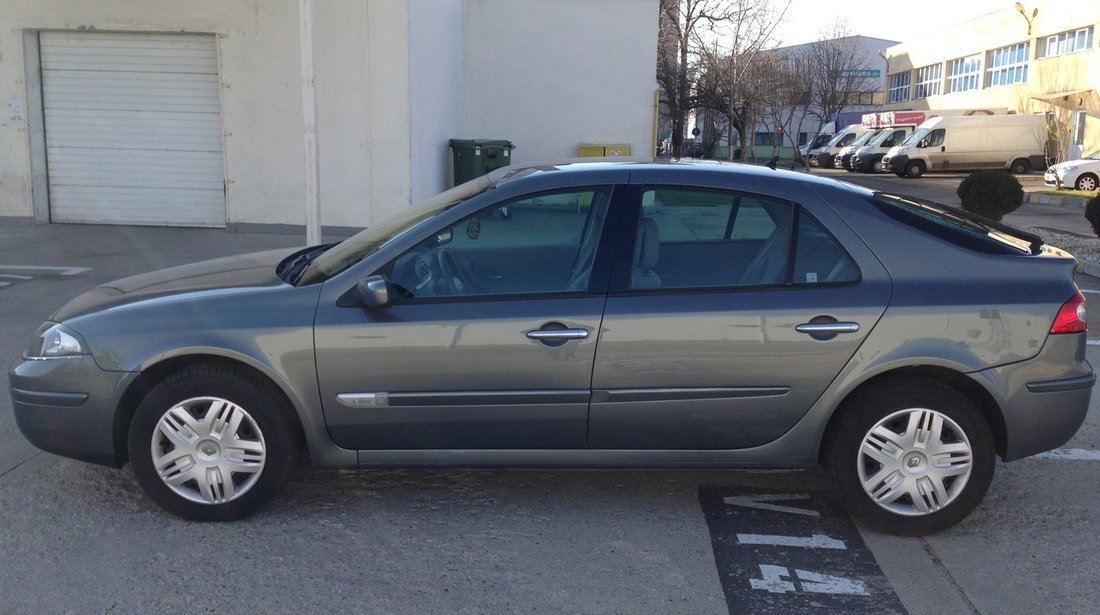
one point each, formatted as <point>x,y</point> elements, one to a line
<point>647,248</point>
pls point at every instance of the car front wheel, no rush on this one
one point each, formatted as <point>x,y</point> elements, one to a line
<point>1087,182</point>
<point>911,457</point>
<point>213,443</point>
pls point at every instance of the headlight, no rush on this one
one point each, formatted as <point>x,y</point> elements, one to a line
<point>55,340</point>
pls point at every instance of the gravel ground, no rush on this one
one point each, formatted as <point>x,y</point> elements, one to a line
<point>1083,247</point>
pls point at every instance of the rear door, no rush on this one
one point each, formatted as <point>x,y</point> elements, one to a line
<point>733,315</point>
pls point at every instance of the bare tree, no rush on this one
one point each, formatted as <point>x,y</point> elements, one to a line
<point>838,72</point>
<point>788,98</point>
<point>677,49</point>
<point>734,72</point>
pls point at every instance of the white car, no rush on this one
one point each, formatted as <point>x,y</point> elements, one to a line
<point>1083,174</point>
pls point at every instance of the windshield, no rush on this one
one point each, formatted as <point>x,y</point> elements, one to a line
<point>916,136</point>
<point>1093,156</point>
<point>864,138</point>
<point>838,136</point>
<point>881,136</point>
<point>359,246</point>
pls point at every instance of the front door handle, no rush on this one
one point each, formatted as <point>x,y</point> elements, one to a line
<point>554,334</point>
<point>558,334</point>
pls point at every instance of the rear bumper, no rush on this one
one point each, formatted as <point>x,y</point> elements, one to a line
<point>1041,413</point>
<point>67,406</point>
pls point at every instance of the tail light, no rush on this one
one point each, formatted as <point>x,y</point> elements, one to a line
<point>1071,317</point>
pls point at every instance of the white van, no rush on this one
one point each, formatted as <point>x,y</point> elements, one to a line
<point>840,161</point>
<point>971,143</point>
<point>823,156</point>
<point>868,158</point>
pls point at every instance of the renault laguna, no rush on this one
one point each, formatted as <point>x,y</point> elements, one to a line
<point>606,315</point>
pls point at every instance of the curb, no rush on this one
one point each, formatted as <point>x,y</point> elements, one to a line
<point>1050,199</point>
<point>1088,268</point>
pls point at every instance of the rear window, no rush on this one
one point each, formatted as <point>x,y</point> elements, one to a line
<point>958,226</point>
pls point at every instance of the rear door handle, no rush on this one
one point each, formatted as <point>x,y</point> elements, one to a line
<point>828,327</point>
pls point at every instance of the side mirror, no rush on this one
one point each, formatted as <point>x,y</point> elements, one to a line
<point>888,143</point>
<point>374,291</point>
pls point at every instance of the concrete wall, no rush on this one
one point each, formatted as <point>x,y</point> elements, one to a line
<point>549,75</point>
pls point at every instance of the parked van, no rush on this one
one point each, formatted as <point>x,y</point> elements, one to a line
<point>865,159</point>
<point>840,161</point>
<point>971,143</point>
<point>824,155</point>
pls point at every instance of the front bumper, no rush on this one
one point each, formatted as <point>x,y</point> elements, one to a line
<point>895,164</point>
<point>66,406</point>
<point>1050,178</point>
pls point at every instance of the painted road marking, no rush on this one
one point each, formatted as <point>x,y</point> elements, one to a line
<point>1072,454</point>
<point>13,274</point>
<point>1093,342</point>
<point>45,270</point>
<point>772,581</point>
<point>757,501</point>
<point>817,541</point>
<point>792,553</point>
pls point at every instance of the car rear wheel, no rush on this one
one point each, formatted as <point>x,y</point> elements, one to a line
<point>1019,166</point>
<point>910,457</point>
<point>213,443</point>
<point>1086,182</point>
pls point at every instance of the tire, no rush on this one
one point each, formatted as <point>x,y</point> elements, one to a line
<point>1087,182</point>
<point>914,169</point>
<point>1019,167</point>
<point>901,491</point>
<point>187,420</point>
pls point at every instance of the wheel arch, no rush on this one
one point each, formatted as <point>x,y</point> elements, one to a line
<point>154,373</point>
<point>959,381</point>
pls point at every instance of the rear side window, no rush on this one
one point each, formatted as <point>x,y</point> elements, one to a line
<point>689,238</point>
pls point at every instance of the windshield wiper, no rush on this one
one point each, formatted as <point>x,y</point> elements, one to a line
<point>292,268</point>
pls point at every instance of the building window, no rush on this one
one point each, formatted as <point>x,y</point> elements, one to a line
<point>964,74</point>
<point>1008,65</point>
<point>803,138</point>
<point>899,87</point>
<point>1065,42</point>
<point>928,80</point>
<point>765,138</point>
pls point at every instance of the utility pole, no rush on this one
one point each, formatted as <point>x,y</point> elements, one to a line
<point>309,123</point>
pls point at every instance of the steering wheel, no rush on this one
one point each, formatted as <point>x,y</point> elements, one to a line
<point>450,272</point>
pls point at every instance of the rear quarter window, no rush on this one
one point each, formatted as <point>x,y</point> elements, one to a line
<point>956,226</point>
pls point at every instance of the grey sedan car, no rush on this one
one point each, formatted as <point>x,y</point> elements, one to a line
<point>667,315</point>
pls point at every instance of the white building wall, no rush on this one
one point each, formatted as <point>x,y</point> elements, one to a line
<point>549,75</point>
<point>437,30</point>
<point>395,80</point>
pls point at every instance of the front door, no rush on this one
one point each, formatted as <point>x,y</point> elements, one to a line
<point>739,312</point>
<point>489,342</point>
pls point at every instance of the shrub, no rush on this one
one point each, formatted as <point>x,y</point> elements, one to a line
<point>990,193</point>
<point>1092,213</point>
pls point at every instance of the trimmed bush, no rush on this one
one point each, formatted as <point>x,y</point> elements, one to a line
<point>990,193</point>
<point>1092,213</point>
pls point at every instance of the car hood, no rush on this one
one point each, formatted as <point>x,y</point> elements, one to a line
<point>246,270</point>
<point>1083,163</point>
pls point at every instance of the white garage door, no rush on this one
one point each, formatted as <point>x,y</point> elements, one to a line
<point>133,128</point>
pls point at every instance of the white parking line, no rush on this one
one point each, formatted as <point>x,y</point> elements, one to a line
<point>1094,292</point>
<point>1072,454</point>
<point>46,270</point>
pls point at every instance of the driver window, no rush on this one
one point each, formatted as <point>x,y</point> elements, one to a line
<point>934,138</point>
<point>537,244</point>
